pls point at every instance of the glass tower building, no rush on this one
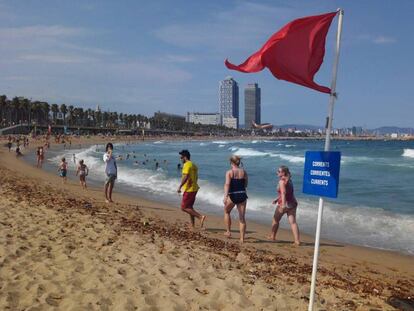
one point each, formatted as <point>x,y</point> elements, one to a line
<point>229,99</point>
<point>251,105</point>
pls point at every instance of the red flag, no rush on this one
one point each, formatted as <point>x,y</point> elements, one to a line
<point>294,53</point>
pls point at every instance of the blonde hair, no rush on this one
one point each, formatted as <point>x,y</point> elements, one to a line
<point>236,160</point>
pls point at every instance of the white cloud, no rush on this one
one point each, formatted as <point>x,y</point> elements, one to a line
<point>171,58</point>
<point>384,40</point>
<point>240,28</point>
<point>40,31</point>
<point>138,71</point>
<point>56,58</point>
<point>47,44</point>
<point>377,39</point>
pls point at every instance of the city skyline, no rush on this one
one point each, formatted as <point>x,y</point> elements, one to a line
<point>123,58</point>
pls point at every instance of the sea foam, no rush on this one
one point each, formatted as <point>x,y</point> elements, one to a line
<point>409,153</point>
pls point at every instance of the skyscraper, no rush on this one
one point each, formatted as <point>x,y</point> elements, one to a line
<point>229,100</point>
<point>251,105</point>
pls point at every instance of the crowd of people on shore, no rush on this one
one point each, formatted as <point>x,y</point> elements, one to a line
<point>20,141</point>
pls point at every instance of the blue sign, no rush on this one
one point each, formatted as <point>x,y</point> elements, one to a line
<point>321,175</point>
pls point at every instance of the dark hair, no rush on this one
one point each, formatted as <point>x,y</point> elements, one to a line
<point>285,170</point>
<point>185,153</point>
<point>109,145</point>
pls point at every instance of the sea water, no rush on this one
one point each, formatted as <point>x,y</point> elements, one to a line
<point>375,205</point>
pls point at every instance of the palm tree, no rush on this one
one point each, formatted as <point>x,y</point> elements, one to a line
<point>64,111</point>
<point>25,105</point>
<point>89,116</point>
<point>3,109</point>
<point>45,107</point>
<point>121,120</point>
<point>105,117</point>
<point>70,108</point>
<point>15,107</point>
<point>55,110</point>
<point>81,115</point>
<point>36,109</point>
<point>98,118</point>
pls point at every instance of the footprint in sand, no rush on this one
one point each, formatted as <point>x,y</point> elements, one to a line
<point>53,299</point>
<point>13,300</point>
<point>40,290</point>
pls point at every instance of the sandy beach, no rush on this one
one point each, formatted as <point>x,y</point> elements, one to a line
<point>63,248</point>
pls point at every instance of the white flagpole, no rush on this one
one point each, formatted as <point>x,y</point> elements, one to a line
<point>332,98</point>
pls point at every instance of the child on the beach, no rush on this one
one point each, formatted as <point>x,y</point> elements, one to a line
<point>83,172</point>
<point>40,156</point>
<point>63,170</point>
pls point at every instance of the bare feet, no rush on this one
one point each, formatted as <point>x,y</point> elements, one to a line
<point>107,201</point>
<point>271,237</point>
<point>296,243</point>
<point>203,218</point>
<point>227,234</point>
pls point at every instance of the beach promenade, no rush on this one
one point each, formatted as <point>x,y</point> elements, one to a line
<point>63,248</point>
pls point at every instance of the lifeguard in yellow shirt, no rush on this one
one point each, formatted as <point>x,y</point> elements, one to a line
<point>189,187</point>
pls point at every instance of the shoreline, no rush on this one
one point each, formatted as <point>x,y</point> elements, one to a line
<point>357,273</point>
<point>127,195</point>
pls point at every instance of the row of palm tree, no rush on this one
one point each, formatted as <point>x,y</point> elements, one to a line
<point>21,110</point>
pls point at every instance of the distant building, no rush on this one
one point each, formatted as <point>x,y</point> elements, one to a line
<point>230,122</point>
<point>356,131</point>
<point>229,100</point>
<point>252,106</point>
<point>203,118</point>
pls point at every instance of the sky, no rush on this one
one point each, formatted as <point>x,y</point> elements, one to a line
<point>145,56</point>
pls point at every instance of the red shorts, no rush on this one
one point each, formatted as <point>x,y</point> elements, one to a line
<point>188,199</point>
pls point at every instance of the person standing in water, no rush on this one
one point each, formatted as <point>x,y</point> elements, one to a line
<point>111,171</point>
<point>189,187</point>
<point>235,194</point>
<point>286,203</point>
<point>82,171</point>
<point>63,170</point>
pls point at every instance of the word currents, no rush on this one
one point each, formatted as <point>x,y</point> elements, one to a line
<point>321,173</point>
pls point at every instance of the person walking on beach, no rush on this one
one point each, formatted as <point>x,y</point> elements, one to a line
<point>286,203</point>
<point>111,171</point>
<point>235,194</point>
<point>63,170</point>
<point>9,143</point>
<point>83,171</point>
<point>189,187</point>
<point>40,156</point>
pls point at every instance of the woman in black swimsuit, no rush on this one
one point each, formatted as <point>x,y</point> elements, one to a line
<point>235,194</point>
